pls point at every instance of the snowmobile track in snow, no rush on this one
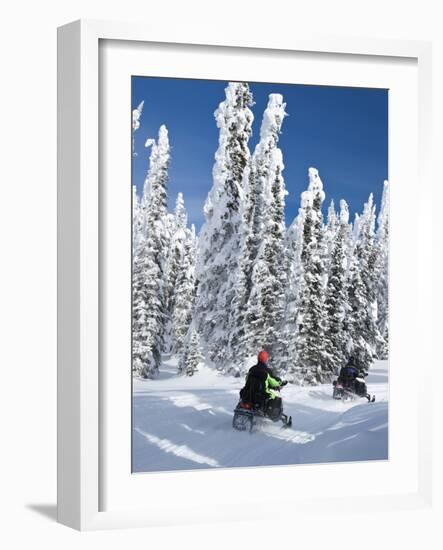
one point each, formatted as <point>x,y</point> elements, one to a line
<point>182,423</point>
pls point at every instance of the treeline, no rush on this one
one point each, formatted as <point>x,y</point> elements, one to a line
<point>312,294</point>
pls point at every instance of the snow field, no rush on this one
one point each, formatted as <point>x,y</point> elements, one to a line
<point>184,423</point>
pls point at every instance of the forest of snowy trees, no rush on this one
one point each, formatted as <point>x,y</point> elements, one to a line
<point>311,294</point>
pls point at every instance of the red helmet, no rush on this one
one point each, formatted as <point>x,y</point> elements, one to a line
<point>263,357</point>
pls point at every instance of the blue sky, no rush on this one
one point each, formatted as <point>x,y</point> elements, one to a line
<point>343,132</point>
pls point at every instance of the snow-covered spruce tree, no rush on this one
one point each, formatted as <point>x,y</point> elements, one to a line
<point>136,115</point>
<point>135,219</point>
<point>361,322</point>
<point>148,311</point>
<point>174,263</point>
<point>336,298</point>
<point>239,337</point>
<point>146,337</point>
<point>354,237</point>
<point>382,272</point>
<point>191,356</point>
<point>294,245</point>
<point>184,291</point>
<point>329,234</point>
<point>268,275</point>
<point>220,240</point>
<point>311,318</point>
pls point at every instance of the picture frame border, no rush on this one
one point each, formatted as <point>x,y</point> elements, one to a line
<point>78,386</point>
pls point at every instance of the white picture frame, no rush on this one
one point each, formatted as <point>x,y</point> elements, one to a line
<point>81,412</point>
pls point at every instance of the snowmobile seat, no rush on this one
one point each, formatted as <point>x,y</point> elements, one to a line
<point>254,392</point>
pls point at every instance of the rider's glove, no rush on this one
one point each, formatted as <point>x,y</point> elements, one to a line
<point>283,383</point>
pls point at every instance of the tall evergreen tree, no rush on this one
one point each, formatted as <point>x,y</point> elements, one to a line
<point>336,299</point>
<point>311,319</point>
<point>220,237</point>
<point>268,274</point>
<point>174,264</point>
<point>146,311</point>
<point>149,263</point>
<point>184,290</point>
<point>191,357</point>
<point>329,234</point>
<point>382,272</point>
<point>136,115</point>
<point>361,321</point>
<point>135,220</point>
<point>239,336</point>
<point>294,246</point>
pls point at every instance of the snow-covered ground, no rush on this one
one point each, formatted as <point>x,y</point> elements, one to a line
<point>184,423</point>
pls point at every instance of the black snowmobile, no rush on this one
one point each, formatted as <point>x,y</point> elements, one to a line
<point>348,389</point>
<point>248,413</point>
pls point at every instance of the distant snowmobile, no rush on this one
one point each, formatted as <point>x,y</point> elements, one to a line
<point>351,382</point>
<point>348,390</point>
<point>247,414</point>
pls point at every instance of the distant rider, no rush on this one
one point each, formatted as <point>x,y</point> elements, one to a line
<point>353,378</point>
<point>348,374</point>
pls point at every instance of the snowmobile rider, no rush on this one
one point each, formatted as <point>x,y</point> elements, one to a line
<point>348,373</point>
<point>353,377</point>
<point>261,383</point>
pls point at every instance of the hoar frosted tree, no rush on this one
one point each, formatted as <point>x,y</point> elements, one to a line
<point>218,265</point>
<point>191,357</point>
<point>266,305</point>
<point>361,321</point>
<point>382,281</point>
<point>311,315</point>
<point>336,296</point>
<point>184,291</point>
<point>294,247</point>
<point>313,294</point>
<point>174,265</point>
<point>148,290</point>
<point>136,115</point>
<point>329,234</point>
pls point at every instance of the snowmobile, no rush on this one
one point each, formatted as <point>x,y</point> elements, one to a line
<point>350,390</point>
<point>247,414</point>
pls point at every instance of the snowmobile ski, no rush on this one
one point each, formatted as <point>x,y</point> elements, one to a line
<point>287,420</point>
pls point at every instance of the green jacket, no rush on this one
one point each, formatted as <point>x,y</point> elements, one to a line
<point>269,384</point>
